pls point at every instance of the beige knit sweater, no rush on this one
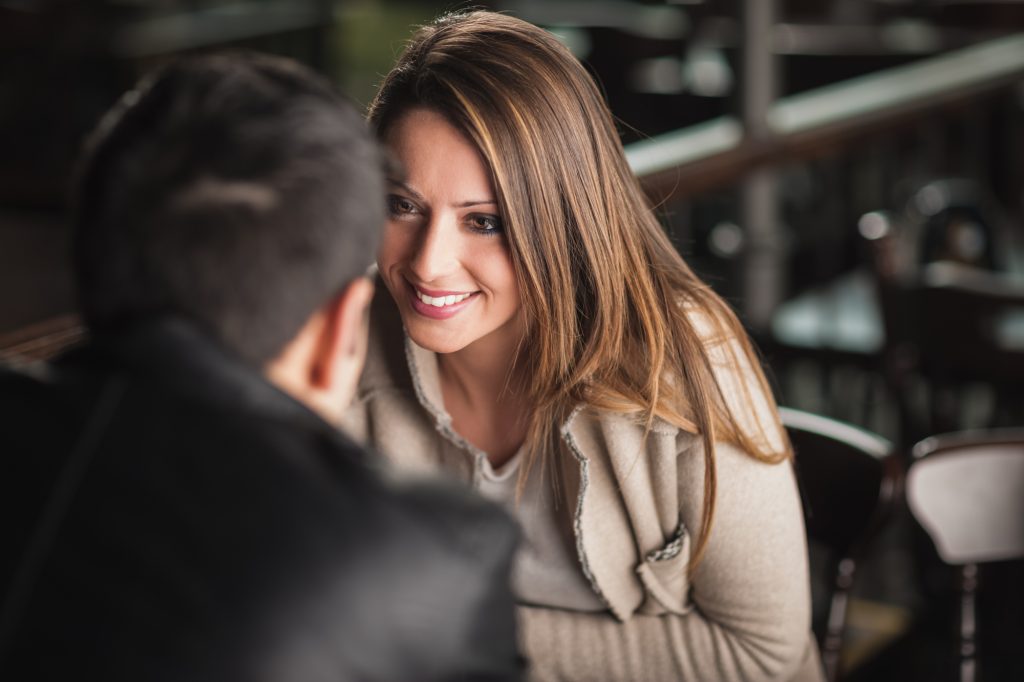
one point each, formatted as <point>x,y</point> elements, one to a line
<point>743,615</point>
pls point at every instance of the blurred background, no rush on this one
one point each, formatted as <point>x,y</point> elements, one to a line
<point>848,173</point>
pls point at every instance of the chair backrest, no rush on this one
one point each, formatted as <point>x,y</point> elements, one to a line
<point>848,478</point>
<point>950,317</point>
<point>958,223</point>
<point>967,491</point>
<point>848,482</point>
<point>971,324</point>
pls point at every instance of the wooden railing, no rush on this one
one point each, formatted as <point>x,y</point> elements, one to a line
<point>41,341</point>
<point>826,120</point>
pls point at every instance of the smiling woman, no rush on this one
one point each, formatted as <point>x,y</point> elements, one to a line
<point>541,339</point>
<point>444,256</point>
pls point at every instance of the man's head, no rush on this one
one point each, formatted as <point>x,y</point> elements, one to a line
<point>237,191</point>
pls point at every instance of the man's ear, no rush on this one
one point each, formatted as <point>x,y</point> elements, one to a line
<point>341,348</point>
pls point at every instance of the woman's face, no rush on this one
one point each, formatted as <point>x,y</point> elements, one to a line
<point>444,255</point>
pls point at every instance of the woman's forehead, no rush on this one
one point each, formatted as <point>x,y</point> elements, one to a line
<point>438,159</point>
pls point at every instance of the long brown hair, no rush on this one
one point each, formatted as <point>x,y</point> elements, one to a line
<point>615,318</point>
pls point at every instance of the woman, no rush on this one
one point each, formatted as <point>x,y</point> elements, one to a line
<point>552,348</point>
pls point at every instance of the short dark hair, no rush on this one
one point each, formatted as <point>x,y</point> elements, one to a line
<point>237,190</point>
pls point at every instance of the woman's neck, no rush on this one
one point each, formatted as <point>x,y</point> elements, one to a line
<point>483,393</point>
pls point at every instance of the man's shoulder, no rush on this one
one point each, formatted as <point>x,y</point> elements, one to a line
<point>463,522</point>
<point>420,565</point>
<point>442,566</point>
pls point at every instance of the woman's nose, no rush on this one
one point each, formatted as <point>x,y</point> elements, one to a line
<point>435,251</point>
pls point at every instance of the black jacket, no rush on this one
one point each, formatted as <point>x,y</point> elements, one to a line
<point>170,515</point>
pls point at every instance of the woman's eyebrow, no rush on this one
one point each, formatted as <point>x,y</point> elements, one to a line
<point>415,195</point>
<point>419,197</point>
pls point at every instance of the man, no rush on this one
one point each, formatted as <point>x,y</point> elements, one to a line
<point>174,500</point>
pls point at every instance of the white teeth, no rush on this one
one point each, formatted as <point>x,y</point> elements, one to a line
<point>441,301</point>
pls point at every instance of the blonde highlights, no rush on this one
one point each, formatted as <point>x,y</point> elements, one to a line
<point>616,320</point>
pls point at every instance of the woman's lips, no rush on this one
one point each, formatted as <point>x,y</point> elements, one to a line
<point>430,308</point>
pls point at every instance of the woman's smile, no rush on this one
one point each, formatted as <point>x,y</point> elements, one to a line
<point>440,305</point>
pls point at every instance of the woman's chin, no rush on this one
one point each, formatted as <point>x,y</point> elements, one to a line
<point>433,340</point>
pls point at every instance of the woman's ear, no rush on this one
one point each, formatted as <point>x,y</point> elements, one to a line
<point>341,347</point>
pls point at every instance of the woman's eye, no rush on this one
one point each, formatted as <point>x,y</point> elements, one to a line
<point>399,206</point>
<point>486,224</point>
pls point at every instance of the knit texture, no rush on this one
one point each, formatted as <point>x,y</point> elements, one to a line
<point>644,649</point>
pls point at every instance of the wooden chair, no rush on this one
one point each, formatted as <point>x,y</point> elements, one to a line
<point>946,305</point>
<point>967,492</point>
<point>970,330</point>
<point>849,482</point>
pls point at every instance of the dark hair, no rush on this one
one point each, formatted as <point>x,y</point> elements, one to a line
<point>237,190</point>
